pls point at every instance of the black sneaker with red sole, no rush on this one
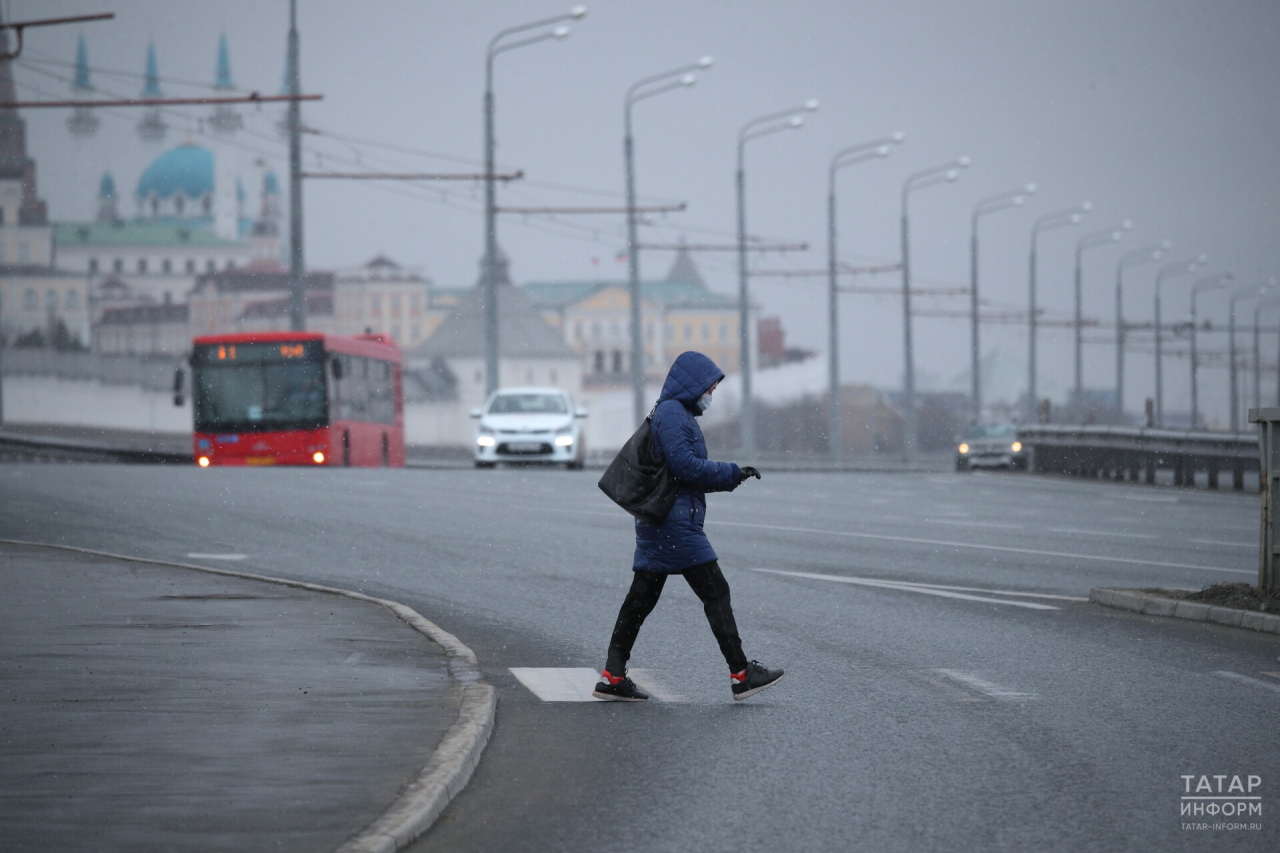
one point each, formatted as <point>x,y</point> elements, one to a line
<point>613,688</point>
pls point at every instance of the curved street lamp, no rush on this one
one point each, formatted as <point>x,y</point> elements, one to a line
<point>946,173</point>
<point>790,119</point>
<point>1249,291</point>
<point>1165,272</point>
<point>1129,259</point>
<point>991,204</point>
<point>1089,241</point>
<point>1059,219</point>
<point>1207,283</point>
<point>648,87</point>
<point>498,45</point>
<point>861,153</point>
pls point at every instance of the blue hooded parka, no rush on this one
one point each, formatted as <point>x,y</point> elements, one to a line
<point>678,543</point>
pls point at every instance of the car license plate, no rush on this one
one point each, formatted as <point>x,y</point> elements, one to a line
<point>259,460</point>
<point>524,446</point>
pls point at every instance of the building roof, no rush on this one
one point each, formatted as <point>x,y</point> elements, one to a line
<point>668,294</point>
<point>137,233</point>
<point>684,269</point>
<point>522,332</point>
<point>258,281</point>
<point>142,314</point>
<point>381,268</point>
<point>318,304</point>
<point>187,169</point>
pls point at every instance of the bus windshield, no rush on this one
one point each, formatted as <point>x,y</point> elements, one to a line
<point>260,397</point>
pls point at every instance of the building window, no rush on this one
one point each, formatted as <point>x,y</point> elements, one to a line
<point>167,266</point>
<point>117,265</point>
<point>142,265</point>
<point>613,331</point>
<point>595,331</point>
<point>51,300</point>
<point>211,266</point>
<point>617,361</point>
<point>24,252</point>
<point>706,331</point>
<point>415,303</point>
<point>688,331</point>
<point>376,303</point>
<point>93,265</point>
<point>395,305</point>
<point>191,265</point>
<point>231,264</point>
<point>72,301</point>
<point>30,302</point>
<point>598,361</point>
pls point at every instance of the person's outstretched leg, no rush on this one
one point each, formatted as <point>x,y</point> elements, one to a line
<point>747,678</point>
<point>646,588</point>
<point>712,589</point>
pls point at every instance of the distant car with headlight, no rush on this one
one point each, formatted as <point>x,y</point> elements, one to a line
<point>991,446</point>
<point>529,425</point>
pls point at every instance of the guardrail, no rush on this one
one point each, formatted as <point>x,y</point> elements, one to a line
<point>1136,453</point>
<point>25,448</point>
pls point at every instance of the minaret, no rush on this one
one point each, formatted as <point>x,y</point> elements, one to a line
<point>107,210</point>
<point>14,162</point>
<point>152,126</point>
<point>224,118</point>
<point>82,121</point>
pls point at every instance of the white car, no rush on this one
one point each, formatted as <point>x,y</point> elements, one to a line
<point>529,425</point>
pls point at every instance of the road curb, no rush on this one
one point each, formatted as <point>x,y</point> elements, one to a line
<point>1158,605</point>
<point>450,766</point>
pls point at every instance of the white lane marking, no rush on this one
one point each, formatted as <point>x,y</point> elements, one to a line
<point>1077,532</point>
<point>977,524</point>
<point>1151,499</point>
<point>1214,542</point>
<point>217,556</point>
<point>559,684</point>
<point>973,682</point>
<point>575,683</point>
<point>1244,679</point>
<point>923,590</point>
<point>990,591</point>
<point>946,544</point>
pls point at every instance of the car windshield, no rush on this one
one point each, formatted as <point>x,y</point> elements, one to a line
<point>992,431</point>
<point>528,404</point>
<point>250,397</point>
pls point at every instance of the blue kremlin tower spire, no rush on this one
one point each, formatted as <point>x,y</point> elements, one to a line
<point>82,122</point>
<point>224,118</point>
<point>152,126</point>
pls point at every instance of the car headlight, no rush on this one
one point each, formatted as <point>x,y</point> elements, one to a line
<point>964,448</point>
<point>564,440</point>
<point>486,441</point>
<point>1016,446</point>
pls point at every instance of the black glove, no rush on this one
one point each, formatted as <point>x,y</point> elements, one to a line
<point>745,474</point>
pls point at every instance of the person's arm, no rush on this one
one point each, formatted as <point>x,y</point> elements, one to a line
<point>675,439</point>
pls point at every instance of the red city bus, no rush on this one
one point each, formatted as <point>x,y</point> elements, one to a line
<point>296,398</point>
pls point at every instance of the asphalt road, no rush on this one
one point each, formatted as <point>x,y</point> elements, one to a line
<point>1003,715</point>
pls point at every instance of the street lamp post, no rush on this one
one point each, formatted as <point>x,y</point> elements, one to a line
<point>677,78</point>
<point>946,173</point>
<point>790,119</point>
<point>1129,259</point>
<point>1249,291</point>
<point>1088,241</point>
<point>1060,219</point>
<point>1206,283</point>
<point>1001,201</point>
<point>1168,270</point>
<point>489,276</point>
<point>861,153</point>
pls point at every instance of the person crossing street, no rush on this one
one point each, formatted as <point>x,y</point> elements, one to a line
<point>678,545</point>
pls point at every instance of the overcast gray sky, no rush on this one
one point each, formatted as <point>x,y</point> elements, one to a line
<point>1164,112</point>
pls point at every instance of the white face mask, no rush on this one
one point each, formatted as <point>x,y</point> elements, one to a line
<point>704,402</point>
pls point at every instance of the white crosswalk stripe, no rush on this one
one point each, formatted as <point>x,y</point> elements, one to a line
<point>575,683</point>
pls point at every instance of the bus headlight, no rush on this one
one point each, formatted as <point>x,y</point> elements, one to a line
<point>1016,446</point>
<point>486,441</point>
<point>203,461</point>
<point>564,441</point>
<point>964,448</point>
<point>318,457</point>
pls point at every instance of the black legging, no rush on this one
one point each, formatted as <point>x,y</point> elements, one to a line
<point>712,589</point>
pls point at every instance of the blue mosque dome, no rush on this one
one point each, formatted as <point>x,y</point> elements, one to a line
<point>187,169</point>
